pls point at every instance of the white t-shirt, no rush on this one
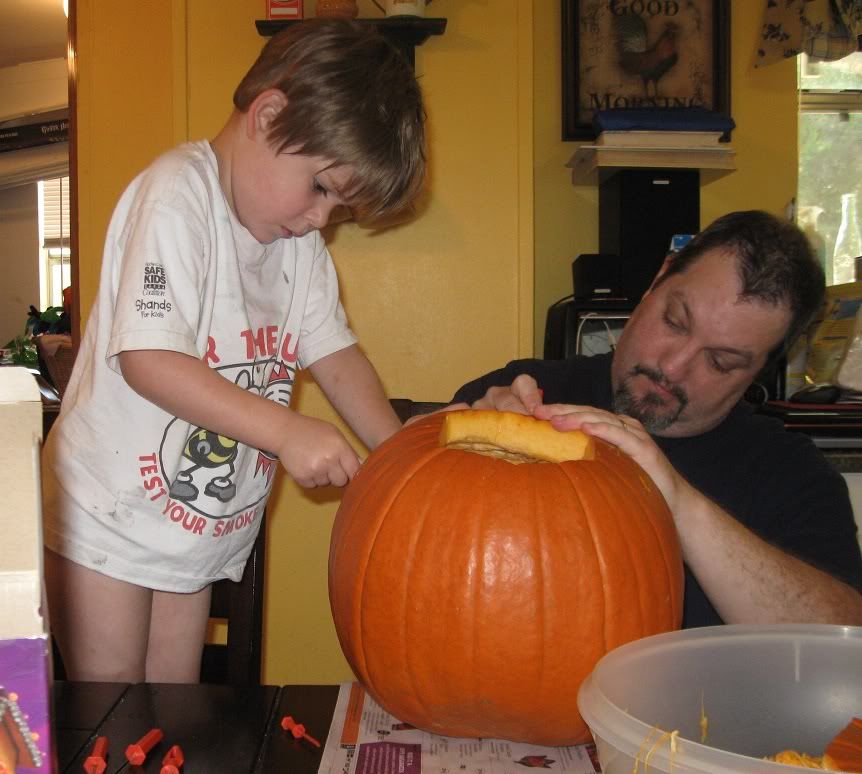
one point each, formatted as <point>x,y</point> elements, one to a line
<point>129,490</point>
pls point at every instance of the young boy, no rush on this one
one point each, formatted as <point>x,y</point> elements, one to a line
<point>216,287</point>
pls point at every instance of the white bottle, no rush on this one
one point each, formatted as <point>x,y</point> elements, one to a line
<point>848,244</point>
<point>807,219</point>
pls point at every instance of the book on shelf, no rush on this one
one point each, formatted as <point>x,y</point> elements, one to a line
<point>636,138</point>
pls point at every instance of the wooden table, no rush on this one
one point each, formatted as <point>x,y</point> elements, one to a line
<point>219,728</point>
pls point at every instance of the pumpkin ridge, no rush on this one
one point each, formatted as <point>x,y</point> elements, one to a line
<point>485,685</point>
<point>642,580</point>
<point>646,521</point>
<point>541,529</point>
<point>670,570</point>
<point>406,660</point>
<point>424,460</point>
<point>547,581</point>
<point>479,531</point>
<point>596,553</point>
<point>576,514</point>
<point>488,467</point>
<point>649,535</point>
<point>660,540</point>
<point>387,461</point>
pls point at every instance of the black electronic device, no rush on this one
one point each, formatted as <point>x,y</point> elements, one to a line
<point>596,275</point>
<point>639,212</point>
<point>821,394</point>
<point>559,342</point>
<point>583,326</point>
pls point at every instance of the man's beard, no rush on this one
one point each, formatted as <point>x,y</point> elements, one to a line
<point>650,410</point>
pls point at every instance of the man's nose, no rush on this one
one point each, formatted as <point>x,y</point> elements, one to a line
<point>676,362</point>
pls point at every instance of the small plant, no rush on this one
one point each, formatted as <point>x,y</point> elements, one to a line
<point>53,320</point>
<point>23,350</point>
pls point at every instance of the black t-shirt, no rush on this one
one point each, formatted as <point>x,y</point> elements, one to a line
<point>774,482</point>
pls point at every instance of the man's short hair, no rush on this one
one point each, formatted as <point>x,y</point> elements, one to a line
<point>775,260</point>
<point>352,98</point>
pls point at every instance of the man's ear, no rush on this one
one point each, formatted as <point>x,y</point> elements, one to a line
<point>263,110</point>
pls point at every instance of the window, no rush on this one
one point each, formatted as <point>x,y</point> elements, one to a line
<point>830,164</point>
<point>55,269</point>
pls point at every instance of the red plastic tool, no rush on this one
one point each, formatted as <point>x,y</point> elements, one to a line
<point>97,760</point>
<point>297,729</point>
<point>173,761</point>
<point>136,753</point>
<point>846,748</point>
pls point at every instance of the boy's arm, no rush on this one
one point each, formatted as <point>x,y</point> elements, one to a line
<point>313,452</point>
<point>352,386</point>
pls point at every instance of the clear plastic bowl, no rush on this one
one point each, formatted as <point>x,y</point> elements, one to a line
<point>764,689</point>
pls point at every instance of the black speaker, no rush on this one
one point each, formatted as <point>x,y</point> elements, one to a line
<point>596,275</point>
<point>639,211</point>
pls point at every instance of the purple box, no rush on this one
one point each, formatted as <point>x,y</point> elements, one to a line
<point>25,704</point>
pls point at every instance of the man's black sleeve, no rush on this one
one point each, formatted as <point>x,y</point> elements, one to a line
<point>502,377</point>
<point>580,380</point>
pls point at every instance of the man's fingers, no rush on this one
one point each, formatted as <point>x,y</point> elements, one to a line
<point>501,399</point>
<point>526,389</point>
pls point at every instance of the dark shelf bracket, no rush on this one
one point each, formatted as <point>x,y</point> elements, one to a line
<point>404,32</point>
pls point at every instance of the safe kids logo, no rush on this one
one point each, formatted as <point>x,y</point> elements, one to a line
<point>155,284</point>
<point>155,281</point>
<point>221,484</point>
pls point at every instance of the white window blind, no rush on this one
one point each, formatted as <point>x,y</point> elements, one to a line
<point>55,217</point>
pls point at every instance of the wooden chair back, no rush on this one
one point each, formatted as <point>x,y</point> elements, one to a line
<point>238,662</point>
<point>406,408</point>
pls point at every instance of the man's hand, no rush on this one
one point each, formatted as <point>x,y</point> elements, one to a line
<point>523,396</point>
<point>315,453</point>
<point>629,436</point>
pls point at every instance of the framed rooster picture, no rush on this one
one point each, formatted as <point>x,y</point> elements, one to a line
<point>656,54</point>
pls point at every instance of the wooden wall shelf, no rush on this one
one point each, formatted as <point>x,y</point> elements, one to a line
<point>405,32</point>
<point>588,158</point>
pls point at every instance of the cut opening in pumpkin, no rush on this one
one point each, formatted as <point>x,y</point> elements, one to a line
<point>515,438</point>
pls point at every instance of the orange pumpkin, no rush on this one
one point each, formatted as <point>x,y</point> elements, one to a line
<point>471,595</point>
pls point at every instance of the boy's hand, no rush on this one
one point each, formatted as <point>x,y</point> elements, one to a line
<point>315,453</point>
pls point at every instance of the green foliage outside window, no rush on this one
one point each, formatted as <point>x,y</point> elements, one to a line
<point>830,163</point>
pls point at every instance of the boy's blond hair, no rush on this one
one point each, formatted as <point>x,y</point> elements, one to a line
<point>352,98</point>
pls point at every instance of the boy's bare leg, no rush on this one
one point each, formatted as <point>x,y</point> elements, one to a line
<point>100,623</point>
<point>178,627</point>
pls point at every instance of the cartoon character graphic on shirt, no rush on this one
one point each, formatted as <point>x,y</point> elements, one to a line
<point>206,449</point>
<point>207,478</point>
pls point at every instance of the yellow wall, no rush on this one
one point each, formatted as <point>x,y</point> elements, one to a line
<point>434,302</point>
<point>763,106</point>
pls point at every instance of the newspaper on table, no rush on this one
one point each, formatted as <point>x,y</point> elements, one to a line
<point>365,739</point>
